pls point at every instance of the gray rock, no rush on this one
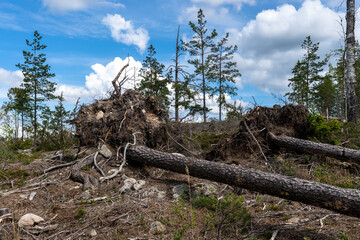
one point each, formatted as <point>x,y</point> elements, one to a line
<point>32,195</point>
<point>154,192</point>
<point>106,151</point>
<point>139,184</point>
<point>93,233</point>
<point>206,189</point>
<point>86,195</point>
<point>181,190</point>
<point>157,228</point>
<point>29,219</point>
<point>128,184</point>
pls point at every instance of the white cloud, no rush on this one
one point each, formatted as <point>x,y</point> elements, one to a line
<point>216,3</point>
<point>217,16</point>
<point>9,79</point>
<point>270,45</point>
<point>99,82</point>
<point>62,6</point>
<point>123,31</point>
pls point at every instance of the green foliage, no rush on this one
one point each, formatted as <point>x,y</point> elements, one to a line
<point>343,236</point>
<point>224,212</point>
<point>17,175</point>
<point>234,111</point>
<point>306,75</point>
<point>153,83</point>
<point>36,84</point>
<point>80,213</point>
<point>223,71</point>
<point>199,47</point>
<point>322,130</point>
<point>206,140</point>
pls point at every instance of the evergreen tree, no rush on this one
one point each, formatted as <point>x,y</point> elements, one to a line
<point>153,83</point>
<point>326,93</point>
<point>306,74</point>
<point>58,122</point>
<point>36,81</point>
<point>199,47</point>
<point>19,102</point>
<point>223,71</point>
<point>181,83</point>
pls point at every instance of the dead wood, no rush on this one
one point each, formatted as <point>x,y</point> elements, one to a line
<point>345,201</point>
<point>77,175</point>
<point>114,82</point>
<point>341,153</point>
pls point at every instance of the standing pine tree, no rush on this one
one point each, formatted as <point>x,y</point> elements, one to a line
<point>306,74</point>
<point>153,83</point>
<point>19,102</point>
<point>223,71</point>
<point>199,47</point>
<point>36,79</point>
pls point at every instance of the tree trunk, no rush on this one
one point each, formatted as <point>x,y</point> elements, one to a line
<point>177,77</point>
<point>311,147</point>
<point>346,201</point>
<point>350,62</point>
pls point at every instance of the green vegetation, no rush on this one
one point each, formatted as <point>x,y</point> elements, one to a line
<point>80,213</point>
<point>322,130</point>
<point>16,176</point>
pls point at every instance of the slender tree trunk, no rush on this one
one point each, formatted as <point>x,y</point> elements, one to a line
<point>350,62</point>
<point>177,77</point>
<point>203,79</point>
<point>345,201</point>
<point>22,126</point>
<point>220,84</point>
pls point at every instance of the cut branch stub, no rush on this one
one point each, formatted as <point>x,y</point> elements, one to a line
<point>345,201</point>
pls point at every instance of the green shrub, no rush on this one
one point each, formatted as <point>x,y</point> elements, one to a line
<point>322,130</point>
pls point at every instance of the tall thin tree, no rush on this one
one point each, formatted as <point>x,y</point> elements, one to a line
<point>223,71</point>
<point>199,47</point>
<point>351,100</point>
<point>36,79</point>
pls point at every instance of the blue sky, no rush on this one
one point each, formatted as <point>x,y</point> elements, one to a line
<point>89,40</point>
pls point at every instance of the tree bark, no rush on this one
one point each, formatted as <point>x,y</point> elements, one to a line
<point>345,201</point>
<point>350,62</point>
<point>341,153</point>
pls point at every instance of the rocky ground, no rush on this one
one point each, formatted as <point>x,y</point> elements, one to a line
<point>143,202</point>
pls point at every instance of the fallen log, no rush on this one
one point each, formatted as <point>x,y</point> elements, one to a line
<point>341,153</point>
<point>345,201</point>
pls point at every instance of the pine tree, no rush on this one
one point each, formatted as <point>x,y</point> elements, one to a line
<point>36,79</point>
<point>153,83</point>
<point>306,74</point>
<point>223,71</point>
<point>326,93</point>
<point>199,47</point>
<point>58,122</point>
<point>19,102</point>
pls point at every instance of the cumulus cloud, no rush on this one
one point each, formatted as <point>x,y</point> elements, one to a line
<point>123,31</point>
<point>217,16</point>
<point>62,6</point>
<point>9,79</point>
<point>270,45</point>
<point>98,83</point>
<point>216,3</point>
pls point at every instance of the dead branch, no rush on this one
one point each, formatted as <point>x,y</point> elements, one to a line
<point>116,86</point>
<point>96,166</point>
<point>102,179</point>
<point>257,143</point>
<point>78,176</point>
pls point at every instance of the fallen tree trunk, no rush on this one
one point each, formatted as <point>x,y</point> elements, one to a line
<point>345,201</point>
<point>311,147</point>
